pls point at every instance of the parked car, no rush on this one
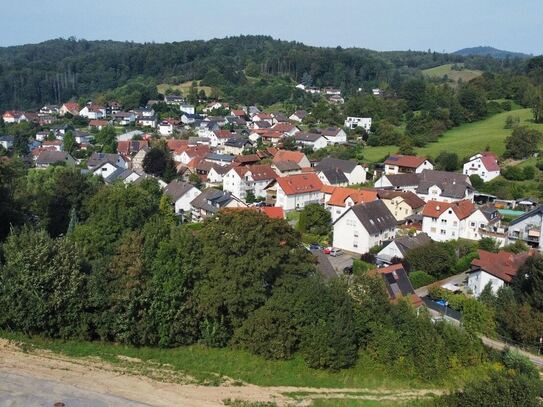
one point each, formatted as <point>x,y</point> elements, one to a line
<point>327,250</point>
<point>315,246</point>
<point>336,252</point>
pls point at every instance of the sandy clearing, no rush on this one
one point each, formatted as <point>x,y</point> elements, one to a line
<point>51,377</point>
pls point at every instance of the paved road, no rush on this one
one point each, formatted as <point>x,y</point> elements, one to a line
<point>22,390</point>
<point>325,267</point>
<point>498,345</point>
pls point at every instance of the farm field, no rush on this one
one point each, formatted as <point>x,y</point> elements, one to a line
<point>466,139</point>
<point>465,75</point>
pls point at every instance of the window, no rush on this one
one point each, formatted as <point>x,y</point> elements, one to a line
<point>433,230</point>
<point>443,231</point>
<point>472,224</point>
<point>443,221</point>
<point>455,223</point>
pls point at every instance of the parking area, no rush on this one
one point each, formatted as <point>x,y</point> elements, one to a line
<point>342,261</point>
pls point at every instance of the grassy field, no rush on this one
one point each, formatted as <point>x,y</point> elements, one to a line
<point>183,88</point>
<point>465,75</point>
<point>211,366</point>
<point>465,140</point>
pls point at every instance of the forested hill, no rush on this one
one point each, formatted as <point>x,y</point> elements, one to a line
<point>57,70</point>
<point>491,52</point>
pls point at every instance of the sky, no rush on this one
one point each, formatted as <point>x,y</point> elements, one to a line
<point>378,24</point>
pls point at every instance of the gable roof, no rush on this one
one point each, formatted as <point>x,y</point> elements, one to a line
<point>247,159</point>
<point>286,165</point>
<point>48,157</point>
<point>176,189</point>
<point>374,216</point>
<point>503,265</point>
<point>398,284</point>
<point>274,212</point>
<point>409,197</point>
<point>406,243</point>
<point>452,184</point>
<point>211,200</point>
<point>335,176</point>
<point>287,155</point>
<point>346,166</point>
<point>331,131</point>
<point>533,212</point>
<point>462,209</point>
<point>97,159</point>
<point>489,160</point>
<point>258,172</point>
<point>300,183</point>
<point>339,195</point>
<point>309,137</point>
<point>284,127</point>
<point>300,114</point>
<point>408,161</point>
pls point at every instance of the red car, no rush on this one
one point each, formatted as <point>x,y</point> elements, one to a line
<point>327,250</point>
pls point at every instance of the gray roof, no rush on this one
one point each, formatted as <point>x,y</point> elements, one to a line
<point>176,189</point>
<point>407,243</point>
<point>311,137</point>
<point>330,131</point>
<point>335,176</point>
<point>397,283</point>
<point>97,159</point>
<point>374,216</point>
<point>52,157</point>
<point>452,184</point>
<point>286,165</point>
<point>527,215</point>
<point>211,200</point>
<point>220,157</point>
<point>329,163</point>
<point>237,142</point>
<point>403,180</point>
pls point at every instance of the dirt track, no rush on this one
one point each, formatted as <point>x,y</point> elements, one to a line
<point>40,378</point>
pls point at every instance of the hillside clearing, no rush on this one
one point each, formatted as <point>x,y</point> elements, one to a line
<point>183,88</point>
<point>454,75</point>
<point>466,139</point>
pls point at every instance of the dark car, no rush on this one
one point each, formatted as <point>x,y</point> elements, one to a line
<point>348,270</point>
<point>315,246</point>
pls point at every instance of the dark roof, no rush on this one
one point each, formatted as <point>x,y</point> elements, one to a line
<point>8,139</point>
<point>398,284</point>
<point>527,215</point>
<point>403,180</point>
<point>452,184</point>
<point>211,200</point>
<point>374,216</point>
<point>51,157</point>
<point>335,163</point>
<point>176,189</point>
<point>237,142</point>
<point>220,157</point>
<point>335,176</point>
<point>409,197</point>
<point>97,159</point>
<point>311,137</point>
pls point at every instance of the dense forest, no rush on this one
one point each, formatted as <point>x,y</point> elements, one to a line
<point>57,70</point>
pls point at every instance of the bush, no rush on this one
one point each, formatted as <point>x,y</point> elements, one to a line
<point>368,258</point>
<point>476,181</point>
<point>420,279</point>
<point>513,173</point>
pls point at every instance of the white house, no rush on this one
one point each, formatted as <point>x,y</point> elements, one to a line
<point>354,122</point>
<point>186,108</point>
<point>496,269</point>
<point>297,191</point>
<point>485,165</point>
<point>181,194</point>
<point>334,135</point>
<point>399,247</point>
<point>364,226</point>
<point>444,221</point>
<point>337,200</point>
<point>298,116</point>
<point>165,128</point>
<point>105,169</point>
<point>255,178</point>
<point>315,141</point>
<point>93,112</point>
<point>333,171</point>
<point>398,163</point>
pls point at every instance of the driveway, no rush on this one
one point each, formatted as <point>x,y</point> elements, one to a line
<point>331,266</point>
<point>457,279</point>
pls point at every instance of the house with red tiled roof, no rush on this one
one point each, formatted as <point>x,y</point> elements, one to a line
<point>485,165</point>
<point>397,163</point>
<point>444,221</point>
<point>295,156</point>
<point>339,199</point>
<point>69,107</point>
<point>297,191</point>
<point>186,154</point>
<point>272,212</point>
<point>268,136</point>
<point>287,129</point>
<point>241,180</point>
<point>13,116</point>
<point>496,269</point>
<point>220,137</point>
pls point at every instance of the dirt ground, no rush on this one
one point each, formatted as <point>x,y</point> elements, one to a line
<point>41,378</point>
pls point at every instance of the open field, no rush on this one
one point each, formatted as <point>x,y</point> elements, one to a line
<point>465,75</point>
<point>466,139</point>
<point>34,375</point>
<point>183,88</point>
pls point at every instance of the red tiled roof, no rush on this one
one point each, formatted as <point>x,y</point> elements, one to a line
<point>238,113</point>
<point>408,161</point>
<point>258,172</point>
<point>284,127</point>
<point>462,209</point>
<point>71,106</point>
<point>274,212</point>
<point>503,265</point>
<point>52,143</point>
<point>96,123</point>
<point>223,133</point>
<point>286,155</point>
<point>249,158</point>
<point>490,161</point>
<point>300,183</point>
<point>174,144</point>
<point>340,195</point>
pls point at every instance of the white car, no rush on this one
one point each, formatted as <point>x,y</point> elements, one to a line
<point>336,252</point>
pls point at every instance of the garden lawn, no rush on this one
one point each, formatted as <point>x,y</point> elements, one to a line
<point>465,140</point>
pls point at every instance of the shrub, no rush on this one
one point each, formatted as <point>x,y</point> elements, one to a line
<point>420,279</point>
<point>368,258</point>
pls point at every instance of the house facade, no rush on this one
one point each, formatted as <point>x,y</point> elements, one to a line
<point>396,164</point>
<point>354,122</point>
<point>364,226</point>
<point>239,181</point>
<point>485,165</point>
<point>297,191</point>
